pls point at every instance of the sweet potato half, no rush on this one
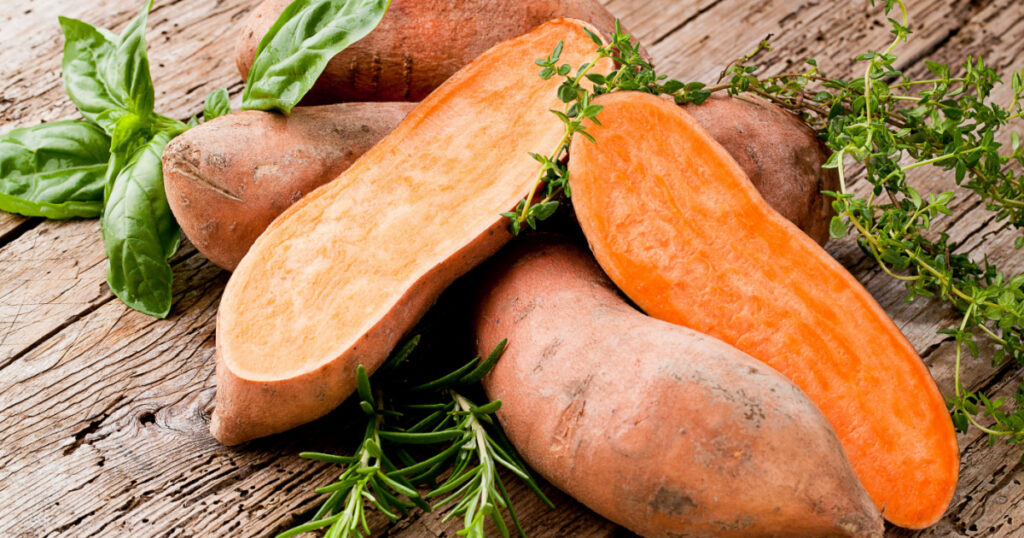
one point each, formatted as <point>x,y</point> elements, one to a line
<point>227,179</point>
<point>418,44</point>
<point>661,429</point>
<point>339,277</point>
<point>679,228</point>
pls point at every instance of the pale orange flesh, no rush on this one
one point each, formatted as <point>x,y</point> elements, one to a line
<point>679,228</point>
<point>339,277</point>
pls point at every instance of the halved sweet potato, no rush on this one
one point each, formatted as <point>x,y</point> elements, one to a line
<point>661,429</point>
<point>418,44</point>
<point>227,179</point>
<point>780,154</point>
<point>679,228</point>
<point>339,277</point>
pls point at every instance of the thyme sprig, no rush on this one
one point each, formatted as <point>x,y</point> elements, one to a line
<point>884,125</point>
<point>417,431</point>
<point>553,179</point>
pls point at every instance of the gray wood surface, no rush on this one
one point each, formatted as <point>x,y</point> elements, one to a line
<point>104,411</point>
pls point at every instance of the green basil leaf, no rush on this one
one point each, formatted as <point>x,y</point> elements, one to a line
<point>128,69</point>
<point>298,46</point>
<point>85,46</point>
<point>104,72</point>
<point>54,170</point>
<point>139,231</point>
<point>217,104</point>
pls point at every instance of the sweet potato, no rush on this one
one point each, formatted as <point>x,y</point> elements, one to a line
<point>679,228</point>
<point>661,429</point>
<point>337,279</point>
<point>226,180</point>
<point>780,154</point>
<point>418,44</point>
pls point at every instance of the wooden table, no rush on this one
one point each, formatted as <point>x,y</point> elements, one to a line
<point>104,411</point>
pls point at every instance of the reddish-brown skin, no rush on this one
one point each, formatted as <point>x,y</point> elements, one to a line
<point>418,44</point>
<point>780,154</point>
<point>227,179</point>
<point>661,429</point>
<point>338,278</point>
<point>680,229</point>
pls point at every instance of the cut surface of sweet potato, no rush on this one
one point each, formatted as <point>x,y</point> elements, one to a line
<point>339,277</point>
<point>679,228</point>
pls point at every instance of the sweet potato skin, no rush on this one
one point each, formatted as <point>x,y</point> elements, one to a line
<point>661,429</point>
<point>339,277</point>
<point>227,179</point>
<point>781,155</point>
<point>680,229</point>
<point>418,44</point>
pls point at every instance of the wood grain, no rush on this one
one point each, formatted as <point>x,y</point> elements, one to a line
<point>103,411</point>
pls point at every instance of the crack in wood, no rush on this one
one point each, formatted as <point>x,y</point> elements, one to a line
<point>74,318</point>
<point>19,230</point>
<point>685,22</point>
<point>91,428</point>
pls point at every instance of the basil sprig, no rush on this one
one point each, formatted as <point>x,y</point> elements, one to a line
<point>298,46</point>
<point>54,170</point>
<point>108,78</point>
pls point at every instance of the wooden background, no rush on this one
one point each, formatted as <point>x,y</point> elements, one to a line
<point>104,411</point>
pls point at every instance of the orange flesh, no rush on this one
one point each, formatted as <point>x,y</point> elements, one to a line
<point>341,259</point>
<point>679,228</point>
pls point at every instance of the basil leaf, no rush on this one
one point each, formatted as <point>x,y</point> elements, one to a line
<point>139,231</point>
<point>54,170</point>
<point>128,68</point>
<point>298,46</point>
<point>84,48</point>
<point>104,72</point>
<point>217,104</point>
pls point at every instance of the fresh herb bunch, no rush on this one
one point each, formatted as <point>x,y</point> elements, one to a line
<point>874,123</point>
<point>408,417</point>
<point>109,165</point>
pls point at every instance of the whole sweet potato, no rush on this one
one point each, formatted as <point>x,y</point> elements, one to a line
<point>418,44</point>
<point>226,180</point>
<point>661,429</point>
<point>780,154</point>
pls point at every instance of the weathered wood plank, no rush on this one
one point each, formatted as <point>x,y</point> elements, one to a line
<point>113,405</point>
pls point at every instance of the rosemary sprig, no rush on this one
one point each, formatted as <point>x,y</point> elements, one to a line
<point>887,124</point>
<point>369,478</point>
<point>474,488</point>
<point>417,431</point>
